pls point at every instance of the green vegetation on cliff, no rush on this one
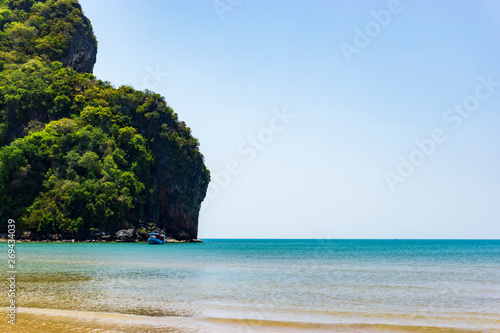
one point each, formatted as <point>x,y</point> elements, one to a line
<point>77,153</point>
<point>43,29</point>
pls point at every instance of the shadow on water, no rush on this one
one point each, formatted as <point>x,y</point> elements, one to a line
<point>52,278</point>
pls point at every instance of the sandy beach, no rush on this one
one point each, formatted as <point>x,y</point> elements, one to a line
<point>33,320</point>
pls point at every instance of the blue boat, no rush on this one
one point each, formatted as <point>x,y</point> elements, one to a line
<point>156,238</point>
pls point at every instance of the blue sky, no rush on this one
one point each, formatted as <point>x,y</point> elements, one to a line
<point>306,140</point>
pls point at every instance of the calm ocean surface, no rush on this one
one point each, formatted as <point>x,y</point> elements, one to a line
<point>399,283</point>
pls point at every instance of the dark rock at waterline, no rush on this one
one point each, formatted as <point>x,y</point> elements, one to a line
<point>28,235</point>
<point>183,236</point>
<point>142,235</point>
<point>126,235</point>
<point>57,237</point>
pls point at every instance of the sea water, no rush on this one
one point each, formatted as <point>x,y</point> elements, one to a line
<point>448,284</point>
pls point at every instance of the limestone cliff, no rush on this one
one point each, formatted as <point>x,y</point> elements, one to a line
<point>179,174</point>
<point>177,205</point>
<point>86,155</point>
<point>81,54</point>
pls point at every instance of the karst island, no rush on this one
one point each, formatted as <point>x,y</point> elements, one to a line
<point>81,159</point>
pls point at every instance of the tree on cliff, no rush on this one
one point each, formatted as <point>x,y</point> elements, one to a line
<point>77,153</point>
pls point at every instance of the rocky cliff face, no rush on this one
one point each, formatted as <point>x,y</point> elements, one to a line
<point>179,176</point>
<point>178,201</point>
<point>82,51</point>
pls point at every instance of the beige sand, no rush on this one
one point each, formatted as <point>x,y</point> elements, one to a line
<point>32,320</point>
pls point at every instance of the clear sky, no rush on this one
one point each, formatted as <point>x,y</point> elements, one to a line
<point>325,119</point>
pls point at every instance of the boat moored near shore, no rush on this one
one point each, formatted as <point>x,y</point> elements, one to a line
<point>156,238</point>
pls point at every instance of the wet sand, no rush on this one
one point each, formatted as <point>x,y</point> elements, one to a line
<point>33,320</point>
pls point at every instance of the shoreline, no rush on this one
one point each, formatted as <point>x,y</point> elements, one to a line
<point>137,234</point>
<point>53,320</point>
<point>4,240</point>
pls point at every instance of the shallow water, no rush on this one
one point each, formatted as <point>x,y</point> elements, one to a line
<point>254,285</point>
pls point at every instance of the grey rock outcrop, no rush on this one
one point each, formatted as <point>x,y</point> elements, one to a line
<point>126,235</point>
<point>82,52</point>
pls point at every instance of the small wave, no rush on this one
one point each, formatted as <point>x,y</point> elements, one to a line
<point>31,320</point>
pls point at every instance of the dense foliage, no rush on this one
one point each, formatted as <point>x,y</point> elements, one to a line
<point>77,153</point>
<point>38,28</point>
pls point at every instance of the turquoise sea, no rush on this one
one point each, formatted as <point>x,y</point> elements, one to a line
<point>267,285</point>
